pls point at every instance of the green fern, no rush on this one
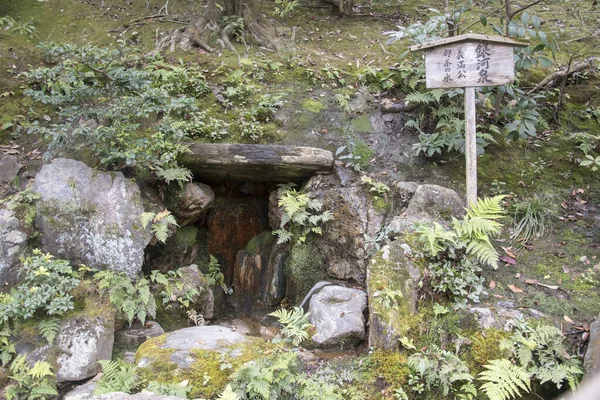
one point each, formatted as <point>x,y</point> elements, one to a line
<point>161,223</point>
<point>117,376</point>
<point>49,329</point>
<point>229,394</point>
<point>168,389</point>
<point>295,324</point>
<point>7,348</point>
<point>177,174</point>
<point>504,380</point>
<point>36,383</point>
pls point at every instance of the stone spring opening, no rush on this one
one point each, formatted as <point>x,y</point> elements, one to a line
<point>237,229</point>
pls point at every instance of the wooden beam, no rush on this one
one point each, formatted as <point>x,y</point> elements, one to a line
<point>470,146</point>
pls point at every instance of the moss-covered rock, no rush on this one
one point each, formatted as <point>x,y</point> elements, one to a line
<point>85,336</point>
<point>392,280</point>
<point>90,217</point>
<point>204,355</point>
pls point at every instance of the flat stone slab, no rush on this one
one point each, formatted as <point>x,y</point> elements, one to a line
<point>256,162</point>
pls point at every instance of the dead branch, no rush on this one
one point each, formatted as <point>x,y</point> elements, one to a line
<point>561,74</point>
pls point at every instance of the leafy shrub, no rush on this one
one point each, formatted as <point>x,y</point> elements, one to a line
<point>105,98</point>
<point>46,285</point>
<point>7,348</point>
<point>31,383</point>
<point>455,255</point>
<point>295,324</point>
<point>168,389</point>
<point>131,298</point>
<point>301,213</point>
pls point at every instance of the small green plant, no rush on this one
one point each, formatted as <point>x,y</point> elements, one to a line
<point>455,255</point>
<point>441,373</point>
<point>532,218</point>
<point>215,275</point>
<point>168,389</point>
<point>229,394</point>
<point>172,289</point>
<point>117,376</point>
<point>131,299</point>
<point>386,298</point>
<point>24,29</point>
<point>378,188</point>
<point>197,124</point>
<point>301,213</point>
<point>273,377</point>
<point>23,203</point>
<point>285,7</point>
<point>295,324</point>
<point>591,162</point>
<point>161,223</point>
<point>334,74</point>
<point>31,383</point>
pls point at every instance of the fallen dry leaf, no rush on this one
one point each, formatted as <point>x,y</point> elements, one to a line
<point>508,251</point>
<point>515,289</point>
<point>517,275</point>
<point>585,336</point>
<point>508,260</point>
<point>492,285</point>
<point>569,320</point>
<point>531,281</point>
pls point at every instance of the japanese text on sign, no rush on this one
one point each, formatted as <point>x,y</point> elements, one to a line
<point>469,64</point>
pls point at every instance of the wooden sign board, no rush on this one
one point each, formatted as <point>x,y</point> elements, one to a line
<point>469,61</point>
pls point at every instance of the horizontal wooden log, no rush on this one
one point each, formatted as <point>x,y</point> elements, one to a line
<point>256,163</point>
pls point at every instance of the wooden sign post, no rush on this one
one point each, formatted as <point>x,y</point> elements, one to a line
<point>469,61</point>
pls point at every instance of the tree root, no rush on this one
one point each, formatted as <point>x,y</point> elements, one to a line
<point>547,81</point>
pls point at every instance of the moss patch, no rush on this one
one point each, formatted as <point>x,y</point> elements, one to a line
<point>314,106</point>
<point>305,267</point>
<point>362,124</point>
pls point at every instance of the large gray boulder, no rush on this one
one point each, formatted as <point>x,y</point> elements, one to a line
<point>83,339</point>
<point>256,162</point>
<point>392,283</point>
<point>338,314</point>
<point>13,241</point>
<point>592,356</point>
<point>90,217</point>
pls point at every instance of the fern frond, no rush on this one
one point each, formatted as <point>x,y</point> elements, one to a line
<point>41,369</point>
<point>49,329</point>
<point>487,207</point>
<point>483,251</point>
<point>146,218</point>
<point>504,380</point>
<point>295,324</point>
<point>229,394</point>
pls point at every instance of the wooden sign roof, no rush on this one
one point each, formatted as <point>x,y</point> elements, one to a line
<point>468,37</point>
